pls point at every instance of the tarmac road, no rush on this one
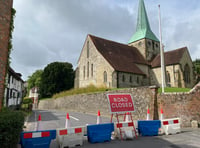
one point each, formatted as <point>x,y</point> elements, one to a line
<point>188,138</point>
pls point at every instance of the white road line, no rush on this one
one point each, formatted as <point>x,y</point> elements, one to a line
<point>74,118</point>
<point>35,122</point>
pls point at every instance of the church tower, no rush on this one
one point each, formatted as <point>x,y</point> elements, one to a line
<point>144,39</point>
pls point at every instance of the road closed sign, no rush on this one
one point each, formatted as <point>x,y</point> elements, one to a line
<point>120,103</point>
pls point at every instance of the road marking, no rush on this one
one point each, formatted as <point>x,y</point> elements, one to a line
<point>74,118</point>
<point>35,122</point>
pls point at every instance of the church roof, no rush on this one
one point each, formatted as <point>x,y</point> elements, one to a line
<point>120,56</point>
<point>171,57</point>
<point>143,29</point>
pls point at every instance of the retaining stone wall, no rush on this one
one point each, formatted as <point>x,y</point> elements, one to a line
<point>183,105</point>
<point>91,103</point>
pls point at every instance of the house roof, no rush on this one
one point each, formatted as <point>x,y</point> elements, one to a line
<point>171,57</point>
<point>120,56</point>
<point>143,29</point>
<point>14,74</point>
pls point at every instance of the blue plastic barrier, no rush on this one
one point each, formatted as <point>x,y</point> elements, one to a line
<point>37,139</point>
<point>100,132</point>
<point>149,127</point>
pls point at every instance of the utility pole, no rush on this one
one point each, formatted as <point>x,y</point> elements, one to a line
<point>162,62</point>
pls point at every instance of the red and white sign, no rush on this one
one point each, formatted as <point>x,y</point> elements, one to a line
<point>120,103</point>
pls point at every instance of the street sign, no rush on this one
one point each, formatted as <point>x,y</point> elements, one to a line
<point>120,103</point>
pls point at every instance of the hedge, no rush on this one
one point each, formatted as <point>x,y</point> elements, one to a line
<point>11,125</point>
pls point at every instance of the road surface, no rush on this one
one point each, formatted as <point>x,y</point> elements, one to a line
<point>188,138</point>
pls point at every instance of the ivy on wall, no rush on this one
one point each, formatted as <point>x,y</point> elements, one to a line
<point>10,46</point>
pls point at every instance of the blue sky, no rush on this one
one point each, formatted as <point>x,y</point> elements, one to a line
<point>47,31</point>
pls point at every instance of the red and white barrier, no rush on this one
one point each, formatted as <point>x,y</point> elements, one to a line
<point>36,135</point>
<point>70,137</point>
<point>171,126</point>
<point>127,129</point>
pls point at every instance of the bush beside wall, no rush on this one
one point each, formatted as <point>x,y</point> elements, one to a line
<point>11,124</point>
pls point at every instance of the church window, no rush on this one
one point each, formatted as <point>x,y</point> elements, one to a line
<point>187,73</point>
<point>91,70</point>
<point>130,79</point>
<point>88,69</point>
<point>149,43</point>
<point>88,48</point>
<point>156,45</point>
<point>140,43</point>
<point>123,78</point>
<point>153,45</point>
<point>84,72</point>
<point>105,76</point>
<point>168,77</point>
<point>138,80</point>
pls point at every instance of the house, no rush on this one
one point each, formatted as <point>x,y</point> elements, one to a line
<point>14,89</point>
<point>34,94</point>
<point>108,63</point>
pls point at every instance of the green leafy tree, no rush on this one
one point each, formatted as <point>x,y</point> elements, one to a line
<point>35,79</point>
<point>57,77</point>
<point>196,64</point>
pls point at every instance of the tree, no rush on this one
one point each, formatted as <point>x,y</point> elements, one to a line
<point>196,64</point>
<point>56,77</point>
<point>35,79</point>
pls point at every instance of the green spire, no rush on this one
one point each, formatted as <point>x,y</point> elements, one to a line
<point>143,29</point>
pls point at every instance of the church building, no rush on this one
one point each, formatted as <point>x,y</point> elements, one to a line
<point>107,63</point>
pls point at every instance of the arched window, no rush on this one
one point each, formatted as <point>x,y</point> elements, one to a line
<point>84,72</point>
<point>105,76</point>
<point>138,80</point>
<point>187,73</point>
<point>168,77</point>
<point>123,78</point>
<point>88,69</point>
<point>130,79</point>
<point>91,70</point>
<point>88,49</point>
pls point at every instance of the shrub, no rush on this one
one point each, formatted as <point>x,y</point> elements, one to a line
<point>11,124</point>
<point>27,101</point>
<point>27,104</point>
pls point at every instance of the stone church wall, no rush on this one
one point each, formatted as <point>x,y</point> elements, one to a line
<point>183,105</point>
<point>93,75</point>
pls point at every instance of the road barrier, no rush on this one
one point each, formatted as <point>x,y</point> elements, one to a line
<point>100,132</point>
<point>149,127</point>
<point>35,139</point>
<point>171,126</point>
<point>127,129</point>
<point>70,137</point>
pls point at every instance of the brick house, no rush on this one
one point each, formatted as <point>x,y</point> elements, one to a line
<point>107,63</point>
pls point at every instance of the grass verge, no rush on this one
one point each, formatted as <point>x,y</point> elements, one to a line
<point>174,89</point>
<point>86,90</point>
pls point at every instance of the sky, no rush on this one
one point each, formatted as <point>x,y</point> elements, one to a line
<point>47,31</point>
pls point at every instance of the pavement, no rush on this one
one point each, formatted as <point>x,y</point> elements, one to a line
<point>188,138</point>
